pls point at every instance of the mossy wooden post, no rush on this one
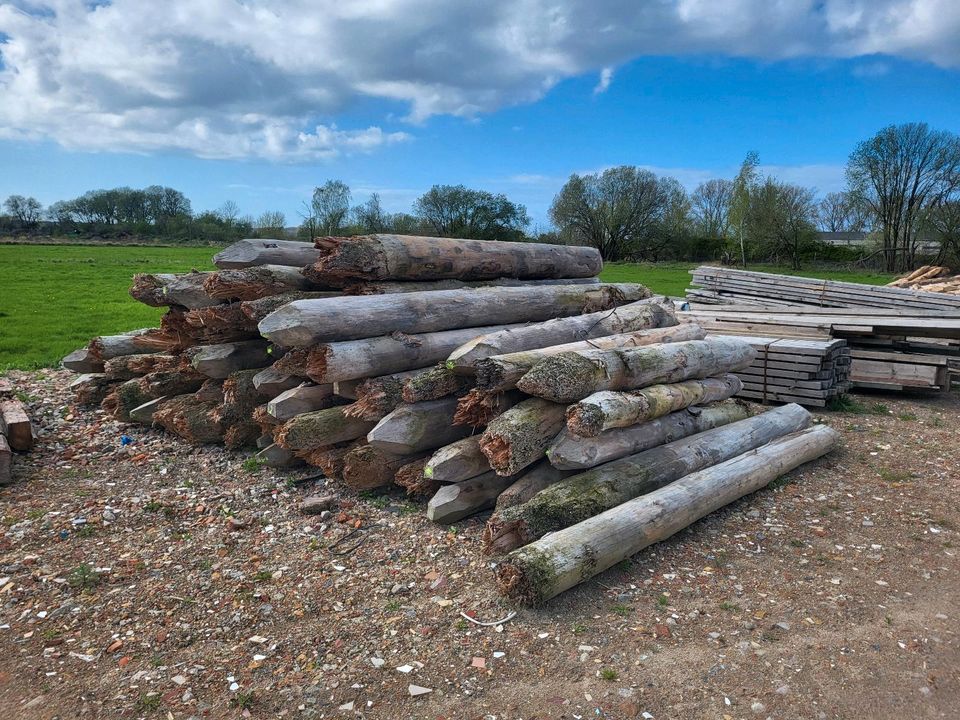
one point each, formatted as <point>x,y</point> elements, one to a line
<point>639,315</point>
<point>520,436</point>
<point>123,398</point>
<point>572,376</point>
<point>127,367</point>
<point>573,452</point>
<point>308,322</point>
<point>143,414</point>
<point>366,467</point>
<point>379,396</point>
<point>416,428</point>
<point>458,461</point>
<point>563,559</point>
<point>610,409</point>
<point>435,383</point>
<point>456,501</point>
<point>250,252</point>
<point>322,427</point>
<point>330,458</point>
<point>189,417</point>
<point>257,310</point>
<point>501,372</point>
<point>532,481</point>
<point>254,283</point>
<point>411,478</point>
<point>409,257</point>
<point>218,361</point>
<point>581,496</point>
<point>91,388</point>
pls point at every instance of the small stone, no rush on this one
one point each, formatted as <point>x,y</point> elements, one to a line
<point>479,662</point>
<point>234,687</point>
<point>377,662</point>
<point>405,668</point>
<point>416,690</point>
<point>179,679</point>
<point>346,706</point>
<point>758,708</point>
<point>316,504</point>
<point>785,626</point>
<point>257,639</point>
<point>109,515</point>
<point>661,631</point>
<point>783,690</point>
<point>114,646</point>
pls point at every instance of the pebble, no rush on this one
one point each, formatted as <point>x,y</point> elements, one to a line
<point>377,662</point>
<point>758,708</point>
<point>416,690</point>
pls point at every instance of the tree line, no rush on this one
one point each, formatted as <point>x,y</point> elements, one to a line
<point>903,187</point>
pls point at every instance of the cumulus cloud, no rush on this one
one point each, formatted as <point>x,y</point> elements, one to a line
<point>271,78</point>
<point>603,84</point>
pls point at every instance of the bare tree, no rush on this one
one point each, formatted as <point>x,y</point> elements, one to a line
<point>271,222</point>
<point>228,212</point>
<point>841,212</point>
<point>27,210</point>
<point>370,216</point>
<point>899,173</point>
<point>330,205</point>
<point>943,222</point>
<point>711,207</point>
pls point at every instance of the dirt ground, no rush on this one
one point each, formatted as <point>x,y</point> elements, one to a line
<point>157,580</point>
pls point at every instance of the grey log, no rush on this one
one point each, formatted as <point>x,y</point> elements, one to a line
<point>250,252</point>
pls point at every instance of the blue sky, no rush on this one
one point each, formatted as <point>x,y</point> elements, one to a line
<point>173,103</point>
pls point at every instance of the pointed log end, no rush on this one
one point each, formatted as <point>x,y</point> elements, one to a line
<point>563,378</point>
<point>501,536</point>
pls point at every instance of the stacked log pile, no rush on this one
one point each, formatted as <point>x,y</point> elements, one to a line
<point>16,431</point>
<point>930,278</point>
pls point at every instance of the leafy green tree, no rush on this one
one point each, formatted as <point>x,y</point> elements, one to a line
<point>26,210</point>
<point>329,207</point>
<point>370,217</point>
<point>458,211</point>
<point>744,185</point>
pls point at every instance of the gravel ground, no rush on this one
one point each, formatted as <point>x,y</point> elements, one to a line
<point>159,580</point>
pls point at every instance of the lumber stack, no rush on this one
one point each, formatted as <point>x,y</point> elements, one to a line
<point>16,431</point>
<point>930,278</point>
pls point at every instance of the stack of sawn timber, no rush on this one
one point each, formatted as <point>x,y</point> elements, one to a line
<point>898,339</point>
<point>16,430</point>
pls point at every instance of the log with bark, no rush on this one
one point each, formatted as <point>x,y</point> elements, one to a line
<point>377,356</point>
<point>180,381</point>
<point>189,416</point>
<point>540,476</point>
<point>106,347</point>
<point>459,500</point>
<point>458,461</point>
<point>411,478</point>
<point>400,286</point>
<point>558,562</point>
<point>640,315</point>
<point>250,252</point>
<point>181,329</point>
<point>218,361</point>
<point>127,367</point>
<point>379,396</point>
<point>367,467</point>
<point>301,399</point>
<point>82,361</point>
<point>611,409</point>
<point>330,458</point>
<point>308,322</point>
<point>477,408</point>
<point>435,383</point>
<point>143,414</point>
<point>581,496</point>
<point>235,413</point>
<point>572,452</point>
<point>253,283</point>
<point>415,428</point>
<point>270,382</point>
<point>5,460</point>
<point>501,372</point>
<point>520,436</point>
<point>185,289</point>
<point>257,310</point>
<point>91,388</point>
<point>15,425</point>
<point>293,362</point>
<point>123,398</point>
<point>409,257</point>
<point>323,427</point>
<point>572,376</point>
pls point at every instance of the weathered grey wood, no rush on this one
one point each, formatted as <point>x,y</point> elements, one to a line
<point>410,257</point>
<point>540,476</point>
<point>435,383</point>
<point>257,310</point>
<point>301,399</point>
<point>82,361</point>
<point>347,388</point>
<point>581,496</point>
<point>501,372</point>
<point>162,289</point>
<point>385,355</point>
<point>277,457</point>
<point>253,283</point>
<point>5,460</point>
<point>144,413</point>
<point>367,467</point>
<point>457,501</point>
<point>399,286</point>
<point>558,562</point>
<point>458,461</point>
<point>571,452</point>
<point>308,322</point>
<point>15,424</point>
<point>312,430</point>
<point>610,409</point>
<point>415,428</point>
<point>573,376</point>
<point>520,436</point>
<point>106,347</point>
<point>640,315</point>
<point>218,361</point>
<point>270,382</point>
<point>250,252</point>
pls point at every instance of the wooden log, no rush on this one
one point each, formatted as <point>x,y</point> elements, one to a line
<point>571,452</point>
<point>378,397</point>
<point>123,398</point>
<point>477,408</point>
<point>294,362</point>
<point>347,388</point>
<point>501,372</point>
<point>546,568</point>
<point>581,496</point>
<point>188,417</point>
<point>322,427</point>
<point>458,461</point>
<point>111,346</point>
<point>457,501</point>
<point>180,381</point>
<point>435,383</point>
<point>540,476</point>
<point>270,382</point>
<point>15,425</point>
<point>367,467</point>
<point>610,409</point>
<point>415,428</point>
<point>409,257</point>
<point>277,457</point>
<point>572,376</point>
<point>82,361</point>
<point>253,283</point>
<point>143,414</point>
<point>385,355</point>
<point>330,458</point>
<point>520,436</point>
<point>399,286</point>
<point>5,460</point>
<point>240,400</point>
<point>126,367</point>
<point>218,361</point>
<point>250,252</point>
<point>308,322</point>
<point>91,388</point>
<point>411,478</point>
<point>183,289</point>
<point>257,310</point>
<point>640,315</point>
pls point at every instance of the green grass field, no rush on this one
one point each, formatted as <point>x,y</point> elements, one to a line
<point>53,299</point>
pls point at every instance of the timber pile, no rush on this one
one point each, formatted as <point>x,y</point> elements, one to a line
<point>16,431</point>
<point>930,278</point>
<point>898,339</point>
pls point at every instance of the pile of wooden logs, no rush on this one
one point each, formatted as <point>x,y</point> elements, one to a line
<point>16,431</point>
<point>930,278</point>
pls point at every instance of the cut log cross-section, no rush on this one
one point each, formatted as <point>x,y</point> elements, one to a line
<point>185,290</point>
<point>15,425</point>
<point>299,400</point>
<point>255,282</point>
<point>520,436</point>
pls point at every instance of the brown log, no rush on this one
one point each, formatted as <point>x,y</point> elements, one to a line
<point>179,381</point>
<point>308,322</point>
<point>458,461</point>
<point>143,414</point>
<point>82,361</point>
<point>5,460</point>
<point>322,427</point>
<point>253,283</point>
<point>411,478</point>
<point>251,252</point>
<point>520,436</point>
<point>640,315</point>
<point>185,290</point>
<point>367,467</point>
<point>572,376</point>
<point>399,286</point>
<point>501,372</point>
<point>188,417</point>
<point>540,476</point>
<point>377,397</point>
<point>301,399</point>
<point>409,257</point>
<point>235,413</point>
<point>294,362</point>
<point>415,428</point>
<point>91,388</point>
<point>218,361</point>
<point>15,424</point>
<point>330,458</point>
<point>126,367</point>
<point>435,383</point>
<point>477,408</point>
<point>123,398</point>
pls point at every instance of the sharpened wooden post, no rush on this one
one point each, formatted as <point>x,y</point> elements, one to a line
<point>520,436</point>
<point>459,500</point>
<point>415,428</point>
<point>458,461</point>
<point>316,429</point>
<point>250,252</point>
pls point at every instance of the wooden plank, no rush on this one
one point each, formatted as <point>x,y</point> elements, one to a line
<point>15,424</point>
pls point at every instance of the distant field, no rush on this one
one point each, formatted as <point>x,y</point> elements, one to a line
<point>53,299</point>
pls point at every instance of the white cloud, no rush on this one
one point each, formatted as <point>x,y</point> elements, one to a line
<point>269,78</point>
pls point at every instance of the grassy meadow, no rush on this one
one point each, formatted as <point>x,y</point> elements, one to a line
<point>54,298</point>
